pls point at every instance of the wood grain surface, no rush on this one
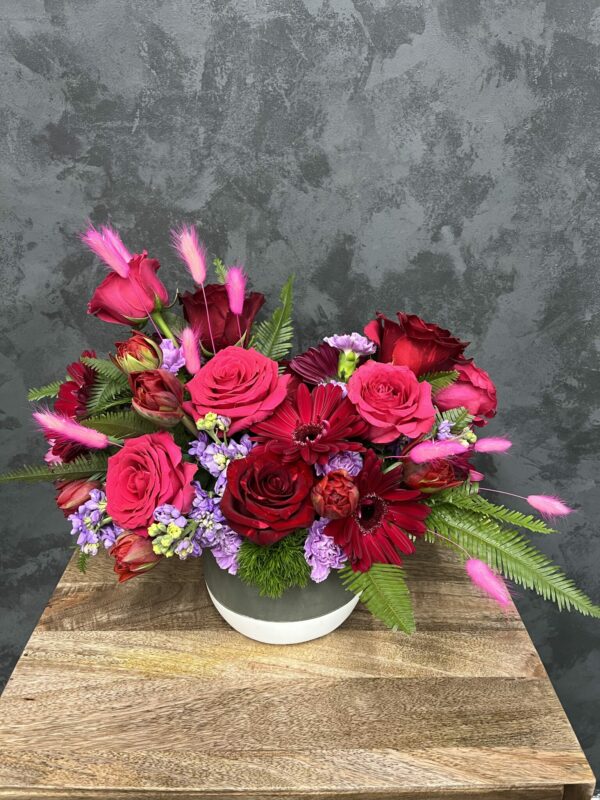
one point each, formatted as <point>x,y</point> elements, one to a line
<point>140,690</point>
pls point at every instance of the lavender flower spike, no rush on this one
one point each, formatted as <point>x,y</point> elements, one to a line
<point>322,554</point>
<point>352,343</point>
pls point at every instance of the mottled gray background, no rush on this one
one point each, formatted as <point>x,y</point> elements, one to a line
<point>441,157</point>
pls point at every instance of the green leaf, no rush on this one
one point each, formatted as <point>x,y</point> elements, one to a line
<point>81,467</point>
<point>106,369</point>
<point>440,380</point>
<point>273,337</point>
<point>465,497</point>
<point>82,562</point>
<point>511,554</point>
<point>120,424</point>
<point>384,592</point>
<point>106,394</point>
<point>459,417</point>
<point>49,390</point>
<point>221,270</point>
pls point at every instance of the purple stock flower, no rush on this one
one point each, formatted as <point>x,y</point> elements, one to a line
<point>167,514</point>
<point>215,458</point>
<point>352,343</point>
<point>213,532</point>
<point>321,552</point>
<point>351,462</point>
<point>444,430</point>
<point>173,359</point>
<point>91,526</point>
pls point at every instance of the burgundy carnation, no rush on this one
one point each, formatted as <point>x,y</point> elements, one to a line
<point>411,342</point>
<point>265,499</point>
<point>212,314</point>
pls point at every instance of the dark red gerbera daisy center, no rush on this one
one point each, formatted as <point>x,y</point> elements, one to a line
<point>370,512</point>
<point>310,432</point>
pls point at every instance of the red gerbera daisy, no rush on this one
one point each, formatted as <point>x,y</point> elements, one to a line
<point>317,365</point>
<point>378,530</point>
<point>311,426</point>
<point>72,400</point>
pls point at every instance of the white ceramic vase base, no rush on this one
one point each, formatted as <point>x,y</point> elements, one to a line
<point>285,632</point>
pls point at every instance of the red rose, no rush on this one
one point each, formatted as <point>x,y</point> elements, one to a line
<point>265,499</point>
<point>336,495</point>
<point>72,494</point>
<point>473,390</point>
<point>137,354</point>
<point>133,555</point>
<point>240,384</point>
<point>411,342</point>
<point>157,396</point>
<point>147,472</point>
<point>131,299</point>
<point>392,401</point>
<point>223,324</point>
<point>433,476</point>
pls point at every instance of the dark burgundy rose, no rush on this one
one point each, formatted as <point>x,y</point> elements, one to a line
<point>157,396</point>
<point>265,499</point>
<point>336,495</point>
<point>411,342</point>
<point>133,555</point>
<point>473,390</point>
<point>72,494</point>
<point>223,323</point>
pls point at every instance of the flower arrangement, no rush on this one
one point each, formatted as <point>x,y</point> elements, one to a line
<point>199,434</point>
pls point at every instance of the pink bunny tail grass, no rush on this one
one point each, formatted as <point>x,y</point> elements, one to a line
<point>191,353</point>
<point>493,444</point>
<point>55,425</point>
<point>429,451</point>
<point>549,506</point>
<point>115,240</point>
<point>236,289</point>
<point>107,249</point>
<point>487,580</point>
<point>191,252</point>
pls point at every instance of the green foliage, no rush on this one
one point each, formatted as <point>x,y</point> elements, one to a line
<point>276,567</point>
<point>384,592</point>
<point>459,417</point>
<point>49,390</point>
<point>106,369</point>
<point>510,553</point>
<point>81,467</point>
<point>82,562</point>
<point>440,380</point>
<point>273,337</point>
<point>221,270</point>
<point>111,387</point>
<point>465,497</point>
<point>120,424</point>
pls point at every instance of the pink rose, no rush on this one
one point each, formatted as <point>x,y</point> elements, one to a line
<point>392,401</point>
<point>147,472</point>
<point>473,390</point>
<point>131,299</point>
<point>240,384</point>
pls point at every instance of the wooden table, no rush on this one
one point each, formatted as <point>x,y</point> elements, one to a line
<point>142,691</point>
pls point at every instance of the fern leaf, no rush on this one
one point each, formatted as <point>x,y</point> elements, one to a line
<point>440,380</point>
<point>221,270</point>
<point>106,369</point>
<point>82,562</point>
<point>471,501</point>
<point>49,390</point>
<point>511,554</point>
<point>459,417</point>
<point>120,424</point>
<point>81,467</point>
<point>384,592</point>
<point>106,393</point>
<point>273,337</point>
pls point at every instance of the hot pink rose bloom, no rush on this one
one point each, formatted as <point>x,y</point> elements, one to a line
<point>240,384</point>
<point>147,472</point>
<point>392,401</point>
<point>474,390</point>
<point>131,299</point>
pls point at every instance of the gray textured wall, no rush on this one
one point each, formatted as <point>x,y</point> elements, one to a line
<point>442,157</point>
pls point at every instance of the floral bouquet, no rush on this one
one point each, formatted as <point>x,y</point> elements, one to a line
<point>198,434</point>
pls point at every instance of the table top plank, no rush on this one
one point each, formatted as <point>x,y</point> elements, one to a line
<point>143,688</point>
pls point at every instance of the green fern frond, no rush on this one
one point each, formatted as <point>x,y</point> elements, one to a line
<point>40,393</point>
<point>440,380</point>
<point>220,269</point>
<point>106,393</point>
<point>384,592</point>
<point>459,417</point>
<point>276,567</point>
<point>120,424</point>
<point>106,368</point>
<point>471,501</point>
<point>82,562</point>
<point>273,337</point>
<point>81,467</point>
<point>511,554</point>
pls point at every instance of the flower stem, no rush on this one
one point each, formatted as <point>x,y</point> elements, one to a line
<point>161,324</point>
<point>189,424</point>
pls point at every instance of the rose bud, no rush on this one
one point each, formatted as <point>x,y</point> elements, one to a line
<point>336,495</point>
<point>137,354</point>
<point>133,555</point>
<point>473,390</point>
<point>132,299</point>
<point>433,476</point>
<point>157,396</point>
<point>72,494</point>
